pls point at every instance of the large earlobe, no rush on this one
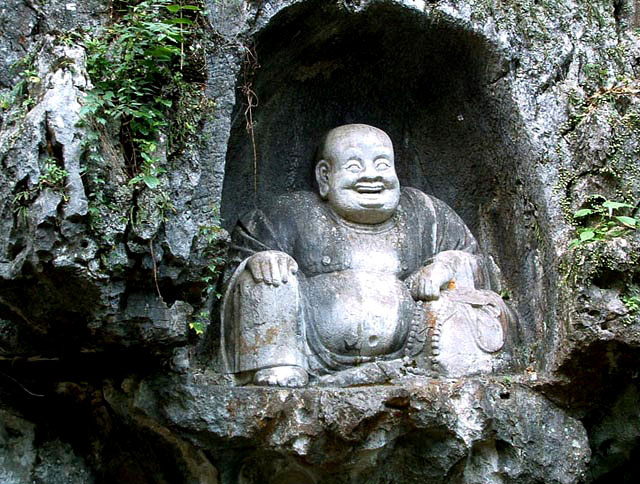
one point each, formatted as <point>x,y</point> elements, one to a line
<point>322,177</point>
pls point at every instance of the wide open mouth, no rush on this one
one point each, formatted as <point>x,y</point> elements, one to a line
<point>369,187</point>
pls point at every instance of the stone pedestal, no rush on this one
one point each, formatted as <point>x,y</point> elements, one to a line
<point>415,429</point>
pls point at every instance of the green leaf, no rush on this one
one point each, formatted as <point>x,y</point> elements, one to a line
<point>616,232</point>
<point>583,212</point>
<point>181,20</point>
<point>151,181</point>
<point>197,326</point>
<point>627,221</point>
<point>86,109</point>
<point>611,205</point>
<point>161,52</point>
<point>148,158</point>
<point>176,8</point>
<point>587,235</point>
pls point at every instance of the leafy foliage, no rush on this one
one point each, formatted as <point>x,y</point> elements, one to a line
<point>604,221</point>
<point>136,67</point>
<point>213,237</point>
<point>632,302</point>
<point>19,95</point>
<point>21,203</point>
<point>200,322</point>
<point>215,256</point>
<point>149,169</point>
<point>53,176</point>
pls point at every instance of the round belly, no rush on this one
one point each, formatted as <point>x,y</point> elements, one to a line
<point>359,313</point>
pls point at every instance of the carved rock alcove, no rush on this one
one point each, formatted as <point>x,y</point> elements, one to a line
<point>437,88</point>
<point>443,92</point>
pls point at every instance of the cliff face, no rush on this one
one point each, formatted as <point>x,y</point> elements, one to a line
<point>523,116</point>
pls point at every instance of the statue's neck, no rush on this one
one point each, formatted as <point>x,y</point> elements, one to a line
<point>360,227</point>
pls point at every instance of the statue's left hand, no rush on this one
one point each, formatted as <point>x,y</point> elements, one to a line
<point>425,284</point>
<point>271,267</point>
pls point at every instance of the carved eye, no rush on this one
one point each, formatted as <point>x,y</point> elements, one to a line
<point>353,166</point>
<point>382,164</point>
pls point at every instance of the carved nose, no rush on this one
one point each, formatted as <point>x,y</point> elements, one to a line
<point>370,174</point>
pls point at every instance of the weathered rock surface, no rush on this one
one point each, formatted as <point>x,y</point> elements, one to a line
<point>22,459</point>
<point>416,430</point>
<point>515,113</point>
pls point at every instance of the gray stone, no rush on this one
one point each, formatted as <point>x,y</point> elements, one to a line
<point>147,318</point>
<point>17,454</point>
<point>57,464</point>
<point>417,430</point>
<point>326,283</point>
<point>23,459</point>
<point>18,24</point>
<point>23,22</point>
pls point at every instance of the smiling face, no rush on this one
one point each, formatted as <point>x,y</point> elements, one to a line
<point>356,174</point>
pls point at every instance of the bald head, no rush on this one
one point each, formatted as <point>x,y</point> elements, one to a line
<point>336,137</point>
<point>356,173</point>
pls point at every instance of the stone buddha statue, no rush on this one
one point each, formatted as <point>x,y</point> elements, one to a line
<point>361,272</point>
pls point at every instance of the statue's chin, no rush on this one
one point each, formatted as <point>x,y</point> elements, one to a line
<point>368,215</point>
<point>372,204</point>
<point>365,209</point>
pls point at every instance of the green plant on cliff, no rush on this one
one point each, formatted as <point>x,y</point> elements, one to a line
<point>6,99</point>
<point>603,221</point>
<point>53,176</point>
<point>200,322</point>
<point>632,302</point>
<point>214,239</point>
<point>21,203</point>
<point>149,169</point>
<point>137,66</point>
<point>215,254</point>
<point>20,94</point>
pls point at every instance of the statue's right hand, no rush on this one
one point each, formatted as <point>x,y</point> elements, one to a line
<point>272,267</point>
<point>425,284</point>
